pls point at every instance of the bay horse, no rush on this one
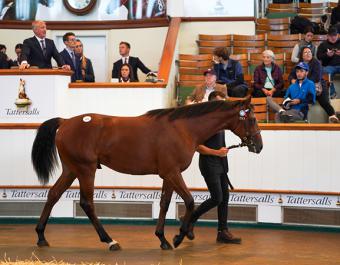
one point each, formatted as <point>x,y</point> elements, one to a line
<point>161,141</point>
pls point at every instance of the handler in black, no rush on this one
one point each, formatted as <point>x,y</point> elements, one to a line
<point>213,164</point>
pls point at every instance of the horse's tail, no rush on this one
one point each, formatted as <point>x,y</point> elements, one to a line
<point>44,152</point>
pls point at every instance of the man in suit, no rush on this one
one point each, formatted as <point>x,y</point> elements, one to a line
<point>135,62</point>
<point>38,50</point>
<point>70,57</point>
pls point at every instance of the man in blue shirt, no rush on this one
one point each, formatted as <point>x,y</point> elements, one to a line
<point>298,95</point>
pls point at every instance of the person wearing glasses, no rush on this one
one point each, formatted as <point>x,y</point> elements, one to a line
<point>315,75</point>
<point>87,73</point>
<point>305,42</point>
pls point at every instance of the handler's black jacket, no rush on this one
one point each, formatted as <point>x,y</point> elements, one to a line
<point>211,165</point>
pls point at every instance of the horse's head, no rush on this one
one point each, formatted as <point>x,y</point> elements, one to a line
<point>247,128</point>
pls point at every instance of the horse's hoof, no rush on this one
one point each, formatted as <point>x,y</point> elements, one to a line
<point>166,246</point>
<point>43,243</point>
<point>190,235</point>
<point>115,247</point>
<point>177,240</point>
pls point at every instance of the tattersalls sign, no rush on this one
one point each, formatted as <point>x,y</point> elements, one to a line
<point>131,195</point>
<point>27,99</point>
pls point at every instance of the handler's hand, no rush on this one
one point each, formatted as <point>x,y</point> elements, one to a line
<point>222,152</point>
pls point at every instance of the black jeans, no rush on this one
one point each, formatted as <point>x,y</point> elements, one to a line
<point>238,91</point>
<point>219,196</point>
<point>323,99</point>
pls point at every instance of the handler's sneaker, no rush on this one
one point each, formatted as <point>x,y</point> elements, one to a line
<point>226,237</point>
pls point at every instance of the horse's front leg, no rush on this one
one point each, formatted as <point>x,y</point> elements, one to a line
<point>182,190</point>
<point>167,191</point>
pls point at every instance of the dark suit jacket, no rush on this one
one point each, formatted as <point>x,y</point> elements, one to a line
<point>75,68</point>
<point>4,63</point>
<point>33,54</point>
<point>135,64</point>
<point>89,74</point>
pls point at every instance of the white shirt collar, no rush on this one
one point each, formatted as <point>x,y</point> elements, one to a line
<point>39,39</point>
<point>70,51</point>
<point>123,59</point>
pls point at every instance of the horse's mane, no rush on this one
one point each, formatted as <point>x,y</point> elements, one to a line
<point>193,110</point>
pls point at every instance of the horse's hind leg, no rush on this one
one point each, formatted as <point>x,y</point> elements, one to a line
<point>62,184</point>
<point>86,202</point>
<point>182,190</point>
<point>167,191</point>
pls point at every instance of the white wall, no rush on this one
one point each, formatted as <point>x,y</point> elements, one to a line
<point>204,8</point>
<point>290,160</point>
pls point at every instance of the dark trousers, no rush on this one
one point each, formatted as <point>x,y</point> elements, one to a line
<point>239,91</point>
<point>219,196</point>
<point>323,99</point>
<point>258,93</point>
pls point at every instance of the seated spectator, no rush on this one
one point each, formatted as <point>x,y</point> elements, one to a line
<point>126,74</point>
<point>5,61</point>
<point>329,55</point>
<point>229,72</point>
<point>305,42</point>
<point>135,62</point>
<point>335,16</point>
<point>201,93</point>
<point>85,63</point>
<point>70,57</point>
<point>268,79</point>
<point>18,50</point>
<point>297,97</point>
<point>315,75</point>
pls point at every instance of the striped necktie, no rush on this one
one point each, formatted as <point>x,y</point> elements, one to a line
<point>73,59</point>
<point>43,47</point>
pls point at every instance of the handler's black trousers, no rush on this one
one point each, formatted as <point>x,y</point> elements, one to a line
<point>218,187</point>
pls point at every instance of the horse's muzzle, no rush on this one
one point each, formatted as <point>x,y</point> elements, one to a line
<point>255,144</point>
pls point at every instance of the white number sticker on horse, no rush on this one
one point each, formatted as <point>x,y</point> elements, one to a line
<point>87,119</point>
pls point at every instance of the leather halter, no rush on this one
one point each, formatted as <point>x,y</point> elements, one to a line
<point>248,139</point>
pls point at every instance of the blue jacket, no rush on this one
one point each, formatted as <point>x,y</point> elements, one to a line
<point>232,76</point>
<point>306,93</point>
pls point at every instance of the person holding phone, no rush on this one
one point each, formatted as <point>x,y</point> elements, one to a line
<point>329,55</point>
